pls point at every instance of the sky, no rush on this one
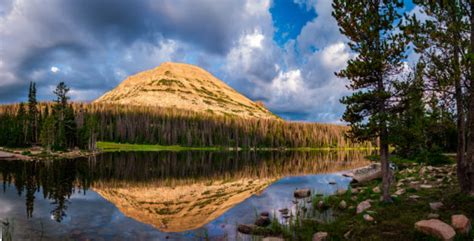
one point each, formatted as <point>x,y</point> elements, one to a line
<point>281,52</point>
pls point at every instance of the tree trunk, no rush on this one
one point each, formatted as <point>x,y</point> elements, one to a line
<point>461,121</point>
<point>386,173</point>
<point>468,186</point>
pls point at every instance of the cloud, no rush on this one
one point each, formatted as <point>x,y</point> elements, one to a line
<point>93,45</point>
<point>54,69</point>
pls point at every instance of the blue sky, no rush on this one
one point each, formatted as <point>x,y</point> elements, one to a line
<point>282,52</point>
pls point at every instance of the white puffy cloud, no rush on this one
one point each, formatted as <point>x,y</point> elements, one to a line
<point>93,45</point>
<point>54,69</point>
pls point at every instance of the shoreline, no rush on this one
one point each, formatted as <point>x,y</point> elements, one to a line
<point>39,153</point>
<point>420,192</point>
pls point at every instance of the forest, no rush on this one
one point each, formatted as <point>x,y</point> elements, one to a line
<point>62,125</point>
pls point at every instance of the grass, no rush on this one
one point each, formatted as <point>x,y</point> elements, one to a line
<point>393,221</point>
<point>111,146</point>
<point>7,229</point>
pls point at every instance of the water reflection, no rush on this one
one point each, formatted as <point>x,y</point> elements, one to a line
<point>172,191</point>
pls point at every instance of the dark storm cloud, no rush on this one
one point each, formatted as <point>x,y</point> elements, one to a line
<point>88,40</point>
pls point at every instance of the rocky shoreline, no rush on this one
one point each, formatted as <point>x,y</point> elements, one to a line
<point>40,154</point>
<point>415,186</point>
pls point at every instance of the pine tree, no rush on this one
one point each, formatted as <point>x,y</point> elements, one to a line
<point>22,128</point>
<point>33,113</point>
<point>407,124</point>
<point>371,28</point>
<point>443,41</point>
<point>467,168</point>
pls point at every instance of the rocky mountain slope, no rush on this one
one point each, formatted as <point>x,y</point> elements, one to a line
<point>184,86</point>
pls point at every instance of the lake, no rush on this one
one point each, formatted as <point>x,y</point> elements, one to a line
<point>192,195</point>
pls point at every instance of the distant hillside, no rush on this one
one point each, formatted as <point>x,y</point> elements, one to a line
<point>186,87</point>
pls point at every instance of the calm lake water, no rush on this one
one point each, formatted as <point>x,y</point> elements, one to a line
<point>162,195</point>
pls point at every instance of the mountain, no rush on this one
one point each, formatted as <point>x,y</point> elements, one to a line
<point>184,86</point>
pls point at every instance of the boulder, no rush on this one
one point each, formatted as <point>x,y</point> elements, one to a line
<point>426,186</point>
<point>433,216</point>
<point>263,221</point>
<point>283,210</point>
<point>362,206</point>
<point>436,228</point>
<point>414,197</point>
<point>273,239</point>
<point>368,218</point>
<point>342,204</point>
<point>266,214</point>
<point>368,173</point>
<point>247,228</point>
<point>461,224</point>
<point>320,236</point>
<point>436,205</point>
<point>302,193</point>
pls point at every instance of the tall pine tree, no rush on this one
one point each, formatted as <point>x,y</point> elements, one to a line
<point>443,40</point>
<point>371,27</point>
<point>33,114</point>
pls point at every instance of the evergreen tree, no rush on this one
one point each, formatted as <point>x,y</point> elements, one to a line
<point>407,124</point>
<point>65,126</point>
<point>443,40</point>
<point>33,113</point>
<point>466,169</point>
<point>21,132</point>
<point>371,27</point>
<point>48,133</point>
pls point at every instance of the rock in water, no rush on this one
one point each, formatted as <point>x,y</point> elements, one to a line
<point>461,224</point>
<point>283,210</point>
<point>320,236</point>
<point>361,207</point>
<point>263,221</point>
<point>246,228</point>
<point>302,193</point>
<point>436,228</point>
<point>365,174</point>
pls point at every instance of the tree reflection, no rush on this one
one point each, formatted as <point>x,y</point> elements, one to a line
<point>57,180</point>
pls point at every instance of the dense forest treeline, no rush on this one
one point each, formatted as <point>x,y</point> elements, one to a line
<point>61,125</point>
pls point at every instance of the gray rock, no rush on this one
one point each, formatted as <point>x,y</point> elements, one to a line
<point>342,204</point>
<point>436,205</point>
<point>436,228</point>
<point>361,207</point>
<point>302,193</point>
<point>263,221</point>
<point>320,236</point>
<point>368,218</point>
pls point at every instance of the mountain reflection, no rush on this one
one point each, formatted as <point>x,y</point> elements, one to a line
<point>173,191</point>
